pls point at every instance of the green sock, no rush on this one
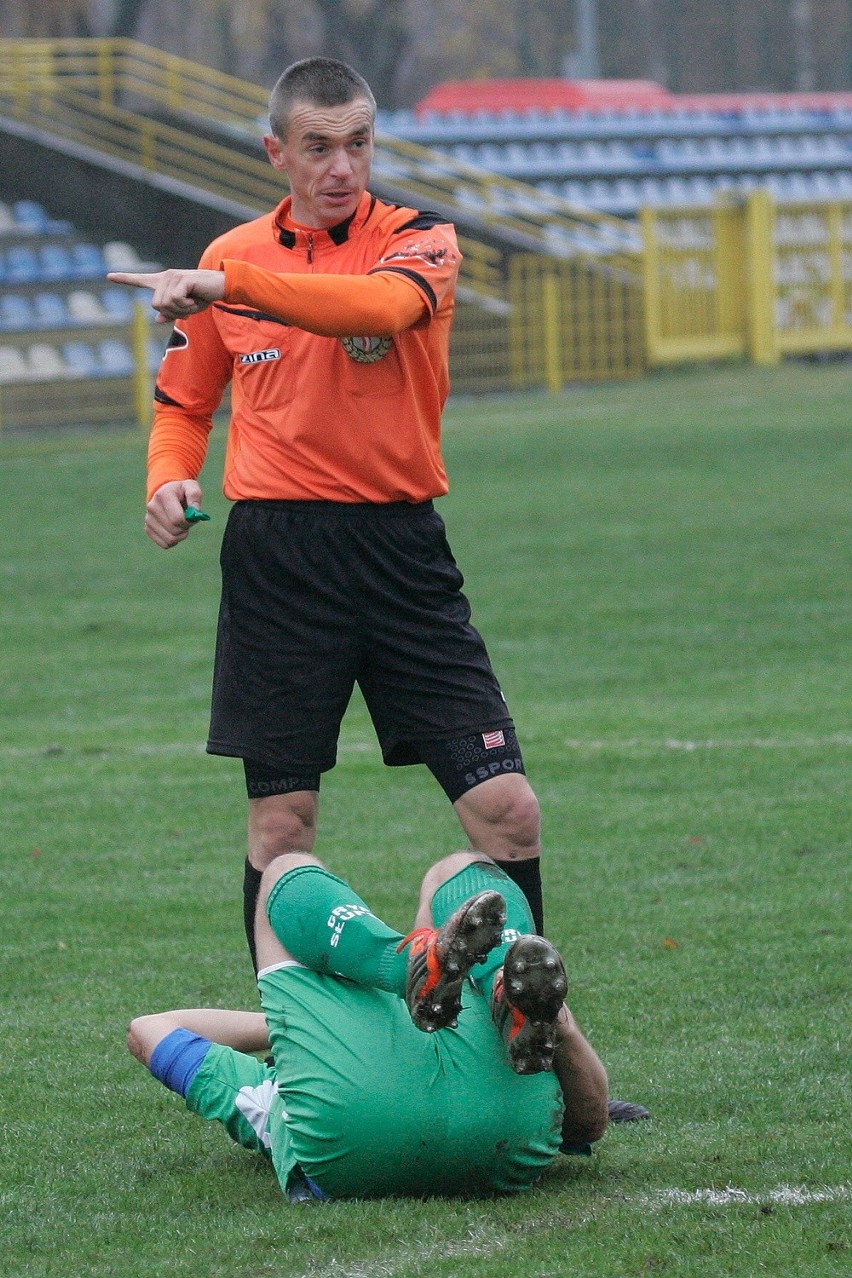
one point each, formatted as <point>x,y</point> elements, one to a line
<point>475,878</point>
<point>326,926</point>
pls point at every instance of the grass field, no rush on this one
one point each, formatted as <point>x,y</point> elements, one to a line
<point>661,570</point>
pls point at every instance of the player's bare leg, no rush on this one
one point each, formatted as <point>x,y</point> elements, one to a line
<point>281,823</point>
<point>277,824</point>
<point>501,818</point>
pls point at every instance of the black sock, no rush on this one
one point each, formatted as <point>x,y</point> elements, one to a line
<point>251,889</point>
<point>527,875</point>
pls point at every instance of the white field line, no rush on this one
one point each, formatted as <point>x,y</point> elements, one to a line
<point>484,1241</point>
<point>713,743</point>
<point>649,744</point>
<point>730,1196</point>
<point>480,1242</point>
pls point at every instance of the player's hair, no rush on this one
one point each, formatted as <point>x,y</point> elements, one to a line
<point>320,81</point>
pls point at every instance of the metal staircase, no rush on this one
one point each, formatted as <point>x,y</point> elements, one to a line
<point>200,130</point>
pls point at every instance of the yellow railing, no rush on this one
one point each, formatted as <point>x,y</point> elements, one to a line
<point>573,324</point>
<point>154,111</point>
<point>812,274</point>
<point>740,279</point>
<point>37,74</point>
<point>112,69</point>
<point>747,278</point>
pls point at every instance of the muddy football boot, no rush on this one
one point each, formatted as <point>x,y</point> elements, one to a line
<point>528,997</point>
<point>440,959</point>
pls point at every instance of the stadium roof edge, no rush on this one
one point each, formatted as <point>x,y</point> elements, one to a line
<point>523,96</point>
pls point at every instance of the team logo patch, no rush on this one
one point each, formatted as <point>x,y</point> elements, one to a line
<point>261,357</point>
<point>366,350</point>
<point>493,740</point>
<point>430,251</point>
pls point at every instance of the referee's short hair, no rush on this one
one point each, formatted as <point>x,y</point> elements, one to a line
<point>320,81</point>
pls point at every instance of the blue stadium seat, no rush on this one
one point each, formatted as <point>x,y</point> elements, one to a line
<point>118,303</point>
<point>32,216</point>
<point>16,313</point>
<point>81,359</point>
<point>88,261</point>
<point>115,357</point>
<point>56,263</point>
<point>22,265</point>
<point>50,310</point>
<point>155,354</point>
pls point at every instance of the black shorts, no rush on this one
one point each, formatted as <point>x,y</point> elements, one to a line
<point>319,596</point>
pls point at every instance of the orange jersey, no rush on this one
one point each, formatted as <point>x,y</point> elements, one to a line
<point>336,343</point>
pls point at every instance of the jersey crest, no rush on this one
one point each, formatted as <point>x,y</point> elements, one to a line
<point>366,350</point>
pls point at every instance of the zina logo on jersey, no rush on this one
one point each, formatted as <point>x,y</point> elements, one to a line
<point>366,350</point>
<point>261,357</point>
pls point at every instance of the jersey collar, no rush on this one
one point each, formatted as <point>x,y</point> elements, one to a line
<point>290,234</point>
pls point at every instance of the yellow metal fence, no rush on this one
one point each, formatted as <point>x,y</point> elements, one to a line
<point>747,279</point>
<point>38,75</point>
<point>740,279</point>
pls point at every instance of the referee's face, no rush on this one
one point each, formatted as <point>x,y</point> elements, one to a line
<point>326,155</point>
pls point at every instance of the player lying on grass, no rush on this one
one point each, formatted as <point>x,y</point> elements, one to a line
<point>442,1062</point>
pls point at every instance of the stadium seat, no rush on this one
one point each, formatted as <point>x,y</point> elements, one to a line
<point>624,198</point>
<point>7,221</point>
<point>13,366</point>
<point>81,359</point>
<point>464,152</point>
<point>86,308</point>
<point>575,191</point>
<point>45,363</point>
<point>32,216</point>
<point>115,358</point>
<point>598,193</point>
<point>87,261</point>
<point>22,265</point>
<point>120,256</point>
<point>155,354</point>
<point>50,310</point>
<point>118,303</point>
<point>56,264</point>
<point>16,313</point>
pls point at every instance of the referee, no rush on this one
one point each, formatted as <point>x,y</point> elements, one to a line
<point>330,317</point>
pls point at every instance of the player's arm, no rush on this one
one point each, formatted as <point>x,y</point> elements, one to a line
<point>583,1081</point>
<point>409,283</point>
<point>175,293</point>
<point>244,1031</point>
<point>191,380</point>
<point>380,304</point>
<point>406,285</point>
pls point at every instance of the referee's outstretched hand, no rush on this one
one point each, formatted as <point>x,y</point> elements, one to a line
<point>176,294</point>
